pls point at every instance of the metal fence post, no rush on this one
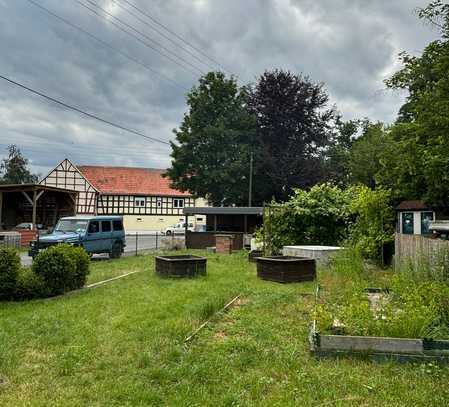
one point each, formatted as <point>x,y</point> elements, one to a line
<point>137,242</point>
<point>157,234</point>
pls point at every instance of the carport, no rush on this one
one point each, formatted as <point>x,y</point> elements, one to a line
<point>35,204</point>
<point>237,221</point>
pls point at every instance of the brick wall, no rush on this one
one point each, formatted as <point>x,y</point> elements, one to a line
<point>26,236</point>
<point>224,243</point>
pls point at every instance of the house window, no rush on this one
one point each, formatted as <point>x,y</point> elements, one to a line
<point>139,202</point>
<point>159,202</point>
<point>178,203</point>
<point>426,218</point>
<point>407,223</point>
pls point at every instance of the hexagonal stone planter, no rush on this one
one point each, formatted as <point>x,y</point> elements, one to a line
<point>180,266</point>
<point>286,269</point>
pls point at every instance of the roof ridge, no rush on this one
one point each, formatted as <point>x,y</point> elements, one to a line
<point>120,167</point>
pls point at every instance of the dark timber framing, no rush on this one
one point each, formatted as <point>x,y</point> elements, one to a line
<point>109,204</point>
<point>67,176</point>
<point>33,193</point>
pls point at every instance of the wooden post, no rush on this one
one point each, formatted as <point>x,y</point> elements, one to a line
<point>34,209</point>
<point>1,212</point>
<point>215,223</point>
<point>245,227</point>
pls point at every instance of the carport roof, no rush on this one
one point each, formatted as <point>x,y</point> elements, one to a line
<point>31,188</point>
<point>230,210</point>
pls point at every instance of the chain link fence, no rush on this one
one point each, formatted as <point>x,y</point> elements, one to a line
<point>10,239</point>
<point>141,242</point>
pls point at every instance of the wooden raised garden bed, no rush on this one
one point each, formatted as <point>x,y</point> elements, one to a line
<point>253,255</point>
<point>376,347</point>
<point>286,269</point>
<point>180,266</point>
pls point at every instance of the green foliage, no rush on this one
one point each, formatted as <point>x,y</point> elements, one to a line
<point>366,153</point>
<point>416,160</point>
<point>82,264</point>
<point>329,215</point>
<point>318,216</point>
<point>414,307</point>
<point>133,329</point>
<point>284,121</point>
<point>57,267</point>
<point>337,162</point>
<point>374,220</point>
<point>14,168</point>
<point>295,125</point>
<point>9,271</point>
<point>30,285</point>
<point>214,141</point>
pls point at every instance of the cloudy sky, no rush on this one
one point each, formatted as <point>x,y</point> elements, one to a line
<point>140,83</point>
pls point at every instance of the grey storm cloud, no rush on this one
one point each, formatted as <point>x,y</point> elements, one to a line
<point>349,45</point>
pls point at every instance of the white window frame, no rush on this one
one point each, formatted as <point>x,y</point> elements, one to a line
<point>178,203</point>
<point>140,202</point>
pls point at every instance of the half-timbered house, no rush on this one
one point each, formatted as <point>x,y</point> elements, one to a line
<point>141,195</point>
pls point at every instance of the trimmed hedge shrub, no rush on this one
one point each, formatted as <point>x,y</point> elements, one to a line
<point>62,268</point>
<point>82,263</point>
<point>9,271</point>
<point>55,271</point>
<point>57,267</point>
<point>30,285</point>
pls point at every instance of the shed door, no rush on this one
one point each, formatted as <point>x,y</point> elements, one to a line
<point>407,223</point>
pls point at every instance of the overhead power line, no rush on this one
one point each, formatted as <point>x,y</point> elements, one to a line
<point>107,45</point>
<point>146,14</point>
<point>92,116</point>
<point>162,34</point>
<point>172,56</point>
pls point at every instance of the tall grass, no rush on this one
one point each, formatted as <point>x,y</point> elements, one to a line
<point>425,266</point>
<point>417,305</point>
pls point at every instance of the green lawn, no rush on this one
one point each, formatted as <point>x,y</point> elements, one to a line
<point>123,344</point>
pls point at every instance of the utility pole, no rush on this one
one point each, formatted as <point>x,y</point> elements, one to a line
<point>250,180</point>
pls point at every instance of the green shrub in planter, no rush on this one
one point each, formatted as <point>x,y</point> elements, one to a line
<point>30,285</point>
<point>57,267</point>
<point>9,270</point>
<point>82,261</point>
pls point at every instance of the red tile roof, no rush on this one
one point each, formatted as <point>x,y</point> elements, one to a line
<point>129,181</point>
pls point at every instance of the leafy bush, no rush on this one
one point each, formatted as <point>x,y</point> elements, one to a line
<point>82,263</point>
<point>30,285</point>
<point>57,267</point>
<point>373,220</point>
<point>9,270</point>
<point>329,215</point>
<point>318,216</point>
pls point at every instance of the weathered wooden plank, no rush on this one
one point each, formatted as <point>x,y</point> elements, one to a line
<point>369,344</point>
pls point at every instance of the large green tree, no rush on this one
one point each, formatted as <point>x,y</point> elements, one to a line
<point>366,152</point>
<point>211,155</point>
<point>294,127</point>
<point>338,154</point>
<point>14,168</point>
<point>416,160</point>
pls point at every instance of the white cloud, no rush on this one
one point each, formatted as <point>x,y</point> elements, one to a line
<point>350,45</point>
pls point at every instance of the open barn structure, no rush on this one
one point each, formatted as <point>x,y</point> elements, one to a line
<point>35,204</point>
<point>240,222</point>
